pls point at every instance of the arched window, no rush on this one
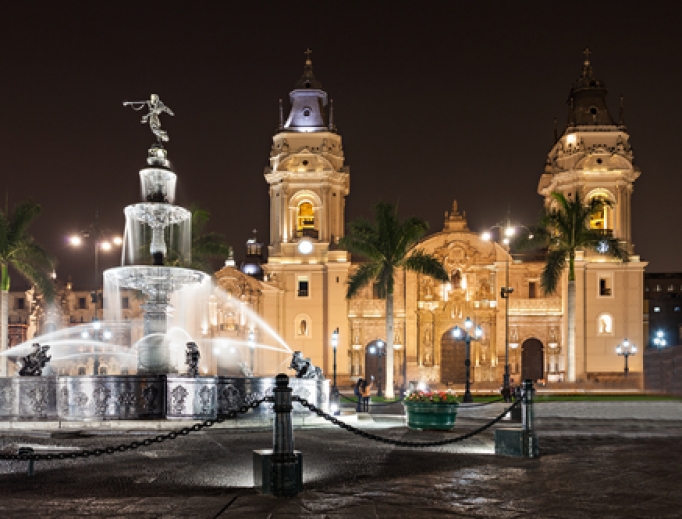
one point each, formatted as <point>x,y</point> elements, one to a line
<point>306,216</point>
<point>603,219</point>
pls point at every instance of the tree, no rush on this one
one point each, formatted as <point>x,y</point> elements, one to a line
<point>23,254</point>
<point>564,230</point>
<point>205,246</point>
<point>388,246</point>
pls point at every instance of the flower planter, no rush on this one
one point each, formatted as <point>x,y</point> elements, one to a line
<point>423,415</point>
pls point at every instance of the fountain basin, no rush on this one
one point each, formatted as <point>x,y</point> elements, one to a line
<point>107,397</point>
<point>235,392</point>
<point>191,397</point>
<point>28,398</point>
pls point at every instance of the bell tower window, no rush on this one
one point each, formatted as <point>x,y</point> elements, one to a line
<point>602,219</point>
<point>306,221</point>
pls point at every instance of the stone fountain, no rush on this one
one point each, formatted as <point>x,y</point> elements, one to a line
<point>157,252</point>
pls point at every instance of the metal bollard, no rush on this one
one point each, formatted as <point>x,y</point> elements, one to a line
<point>24,451</point>
<point>285,469</point>
<point>527,405</point>
<point>531,449</point>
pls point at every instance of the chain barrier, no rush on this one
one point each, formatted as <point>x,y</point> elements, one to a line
<point>27,456</point>
<point>401,443</point>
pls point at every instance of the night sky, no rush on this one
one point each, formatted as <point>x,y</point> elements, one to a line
<point>435,101</point>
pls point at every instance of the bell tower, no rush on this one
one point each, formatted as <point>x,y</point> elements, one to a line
<point>307,176</point>
<point>308,183</point>
<point>593,158</point>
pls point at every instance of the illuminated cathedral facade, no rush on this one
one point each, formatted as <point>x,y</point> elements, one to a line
<point>299,292</point>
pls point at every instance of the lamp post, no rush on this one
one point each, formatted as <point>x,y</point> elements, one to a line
<point>509,230</point>
<point>467,338</point>
<point>335,390</point>
<point>99,335</point>
<point>380,354</point>
<point>335,343</point>
<point>101,242</point>
<point>626,349</point>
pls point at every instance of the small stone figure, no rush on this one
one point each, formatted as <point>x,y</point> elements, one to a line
<point>304,368</point>
<point>245,369</point>
<point>192,358</point>
<point>32,364</point>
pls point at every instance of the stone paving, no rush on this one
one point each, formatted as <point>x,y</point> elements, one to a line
<point>591,465</point>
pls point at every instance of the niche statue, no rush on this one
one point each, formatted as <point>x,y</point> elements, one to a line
<point>32,364</point>
<point>192,357</point>
<point>304,368</point>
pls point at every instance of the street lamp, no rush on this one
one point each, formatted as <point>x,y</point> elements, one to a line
<point>335,389</point>
<point>100,335</point>
<point>659,340</point>
<point>102,242</point>
<point>508,230</point>
<point>626,349</point>
<point>380,354</point>
<point>467,338</point>
<point>335,343</point>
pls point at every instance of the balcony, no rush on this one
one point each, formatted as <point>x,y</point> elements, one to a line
<point>307,233</point>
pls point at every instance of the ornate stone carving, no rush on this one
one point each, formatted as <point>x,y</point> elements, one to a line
<point>179,394</point>
<point>101,396</point>
<point>150,395</point>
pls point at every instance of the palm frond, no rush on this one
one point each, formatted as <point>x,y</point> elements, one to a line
<point>38,277</point>
<point>555,265</point>
<point>364,275</point>
<point>424,263</point>
<point>22,216</point>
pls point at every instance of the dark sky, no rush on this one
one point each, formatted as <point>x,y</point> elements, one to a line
<point>434,100</point>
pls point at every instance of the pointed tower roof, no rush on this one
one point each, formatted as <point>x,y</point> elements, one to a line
<point>587,99</point>
<point>308,78</point>
<point>307,102</point>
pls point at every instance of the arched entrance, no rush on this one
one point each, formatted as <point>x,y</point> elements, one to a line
<point>375,363</point>
<point>452,357</point>
<point>532,360</point>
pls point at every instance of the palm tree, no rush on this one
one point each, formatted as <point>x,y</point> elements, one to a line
<point>387,244</point>
<point>563,230</point>
<point>205,246</point>
<point>30,260</point>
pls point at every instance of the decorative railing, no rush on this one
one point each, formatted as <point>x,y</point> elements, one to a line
<point>542,306</point>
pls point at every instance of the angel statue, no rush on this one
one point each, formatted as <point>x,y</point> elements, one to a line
<point>156,107</point>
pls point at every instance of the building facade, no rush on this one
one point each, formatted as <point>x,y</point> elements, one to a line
<point>297,297</point>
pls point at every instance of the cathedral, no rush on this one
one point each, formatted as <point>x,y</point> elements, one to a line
<point>298,292</point>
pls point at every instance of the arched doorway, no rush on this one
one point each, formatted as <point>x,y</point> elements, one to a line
<point>375,363</point>
<point>532,360</point>
<point>452,357</point>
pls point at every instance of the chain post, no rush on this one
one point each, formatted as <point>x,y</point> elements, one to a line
<point>279,471</point>
<point>23,451</point>
<point>530,439</point>
<point>527,413</point>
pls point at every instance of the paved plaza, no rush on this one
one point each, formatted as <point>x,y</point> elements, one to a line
<point>598,459</point>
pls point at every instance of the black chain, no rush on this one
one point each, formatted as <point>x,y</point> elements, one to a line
<point>401,443</point>
<point>140,443</point>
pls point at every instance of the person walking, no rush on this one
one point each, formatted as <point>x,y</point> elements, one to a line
<point>366,393</point>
